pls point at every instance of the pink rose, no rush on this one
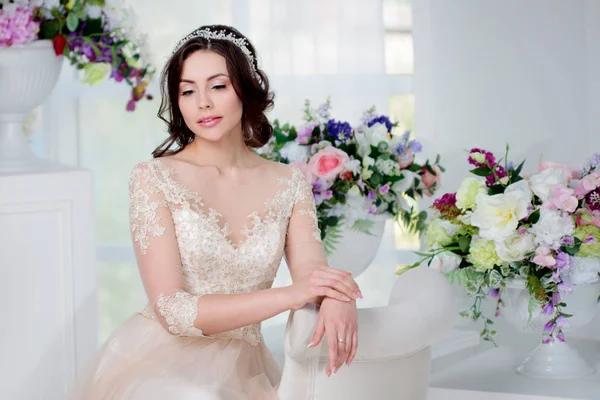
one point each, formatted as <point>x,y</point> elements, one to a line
<point>562,198</point>
<point>572,172</point>
<point>328,163</point>
<point>405,159</point>
<point>429,180</point>
<point>305,170</point>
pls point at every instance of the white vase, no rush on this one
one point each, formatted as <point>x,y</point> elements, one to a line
<point>555,360</point>
<point>27,76</point>
<point>356,250</point>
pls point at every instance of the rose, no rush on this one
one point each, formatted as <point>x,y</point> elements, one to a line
<point>497,216</point>
<point>305,170</point>
<point>468,191</point>
<point>445,262</point>
<point>542,183</point>
<point>515,247</point>
<point>405,159</point>
<point>428,180</point>
<point>328,163</point>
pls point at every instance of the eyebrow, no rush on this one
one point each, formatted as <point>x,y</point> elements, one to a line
<point>210,78</point>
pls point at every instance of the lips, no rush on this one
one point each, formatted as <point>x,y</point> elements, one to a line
<point>209,121</point>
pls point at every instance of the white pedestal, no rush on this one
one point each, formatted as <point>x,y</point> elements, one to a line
<point>47,280</point>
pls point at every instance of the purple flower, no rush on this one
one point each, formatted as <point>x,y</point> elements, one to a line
<point>305,133</point>
<point>589,239</point>
<point>495,293</point>
<point>497,313</point>
<point>565,287</point>
<point>593,199</point>
<point>568,240</point>
<point>382,119</point>
<point>547,340</point>
<point>318,185</point>
<point>548,309</point>
<point>361,184</point>
<point>561,337</point>
<point>555,298</point>
<point>510,165</point>
<point>561,322</point>
<point>384,189</point>
<point>130,105</point>
<point>400,149</point>
<point>373,209</point>
<point>415,146</point>
<point>563,261</point>
<point>522,230</point>
<point>327,194</point>
<point>555,277</point>
<point>372,195</point>
<point>489,158</point>
<point>338,130</point>
<point>549,327</point>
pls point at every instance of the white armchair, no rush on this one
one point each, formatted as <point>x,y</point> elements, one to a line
<point>393,358</point>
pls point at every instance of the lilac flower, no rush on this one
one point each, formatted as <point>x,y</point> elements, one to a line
<point>415,147</point>
<point>384,189</point>
<point>372,195</point>
<point>547,340</point>
<point>549,327</point>
<point>561,322</point>
<point>382,119</point>
<point>561,337</point>
<point>591,164</point>
<point>589,239</point>
<point>568,240</point>
<point>338,130</point>
<point>548,309</point>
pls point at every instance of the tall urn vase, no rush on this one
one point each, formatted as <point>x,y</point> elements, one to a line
<point>28,74</point>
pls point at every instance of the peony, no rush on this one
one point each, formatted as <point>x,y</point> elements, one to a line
<point>468,191</point>
<point>293,151</point>
<point>551,228</point>
<point>515,247</point>
<point>440,233</point>
<point>543,182</point>
<point>482,254</point>
<point>305,170</point>
<point>446,262</point>
<point>328,163</point>
<point>497,216</point>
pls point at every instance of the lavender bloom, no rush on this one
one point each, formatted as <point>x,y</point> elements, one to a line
<point>400,149</point>
<point>563,261</point>
<point>361,184</point>
<point>373,209</point>
<point>549,327</point>
<point>382,119</point>
<point>341,131</point>
<point>555,277</point>
<point>547,340</point>
<point>556,298</point>
<point>372,195</point>
<point>561,337</point>
<point>384,189</point>
<point>327,194</point>
<point>548,309</point>
<point>568,240</point>
<point>510,165</point>
<point>495,293</point>
<point>406,136</point>
<point>565,287</point>
<point>589,239</point>
<point>591,164</point>
<point>415,147</point>
<point>561,322</point>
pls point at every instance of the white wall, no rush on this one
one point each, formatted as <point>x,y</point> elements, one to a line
<point>524,72</point>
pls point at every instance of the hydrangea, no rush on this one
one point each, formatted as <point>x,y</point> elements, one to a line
<point>17,26</point>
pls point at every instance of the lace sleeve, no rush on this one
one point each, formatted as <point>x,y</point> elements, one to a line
<point>304,248</point>
<point>157,253</point>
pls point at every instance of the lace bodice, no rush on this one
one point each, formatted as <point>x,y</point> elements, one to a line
<point>185,248</point>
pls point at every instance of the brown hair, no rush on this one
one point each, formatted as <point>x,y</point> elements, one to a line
<point>249,82</point>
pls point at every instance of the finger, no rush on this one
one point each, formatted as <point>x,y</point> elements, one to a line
<point>354,348</point>
<point>318,335</point>
<point>338,285</point>
<point>337,271</point>
<point>332,273</point>
<point>334,294</point>
<point>348,347</point>
<point>333,349</point>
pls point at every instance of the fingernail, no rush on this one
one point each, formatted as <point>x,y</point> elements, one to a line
<point>328,373</point>
<point>311,344</point>
<point>358,295</point>
<point>334,370</point>
<point>346,298</point>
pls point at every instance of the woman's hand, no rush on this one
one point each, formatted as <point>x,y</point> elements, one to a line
<point>340,321</point>
<point>324,282</point>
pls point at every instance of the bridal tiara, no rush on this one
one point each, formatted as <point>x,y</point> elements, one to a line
<point>220,35</point>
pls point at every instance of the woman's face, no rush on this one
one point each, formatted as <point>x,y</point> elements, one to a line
<point>207,100</point>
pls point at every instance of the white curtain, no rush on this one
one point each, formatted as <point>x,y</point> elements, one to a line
<point>309,49</point>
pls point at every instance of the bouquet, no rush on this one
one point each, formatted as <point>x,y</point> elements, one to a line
<point>357,173</point>
<point>501,226</point>
<point>96,36</point>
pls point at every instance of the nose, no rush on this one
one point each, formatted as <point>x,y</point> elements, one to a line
<point>204,101</point>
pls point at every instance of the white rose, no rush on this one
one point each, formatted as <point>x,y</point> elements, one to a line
<point>294,152</point>
<point>551,227</point>
<point>497,216</point>
<point>515,247</point>
<point>468,191</point>
<point>542,183</point>
<point>445,262</point>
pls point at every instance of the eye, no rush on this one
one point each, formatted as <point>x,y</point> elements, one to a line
<point>219,87</point>
<point>187,92</point>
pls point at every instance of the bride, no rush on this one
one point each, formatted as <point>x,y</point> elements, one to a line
<point>210,221</point>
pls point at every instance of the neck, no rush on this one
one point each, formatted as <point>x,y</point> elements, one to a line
<point>227,155</point>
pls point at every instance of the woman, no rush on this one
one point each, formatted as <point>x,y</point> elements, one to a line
<point>210,222</point>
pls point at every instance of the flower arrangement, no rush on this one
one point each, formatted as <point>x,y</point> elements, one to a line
<point>356,172</point>
<point>501,226</point>
<point>96,36</point>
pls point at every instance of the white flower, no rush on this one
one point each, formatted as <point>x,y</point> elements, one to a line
<point>515,247</point>
<point>294,152</point>
<point>497,216</point>
<point>387,167</point>
<point>406,182</point>
<point>371,136</point>
<point>583,270</point>
<point>468,191</point>
<point>551,227</point>
<point>368,161</point>
<point>93,12</point>
<point>542,183</point>
<point>352,165</point>
<point>446,262</point>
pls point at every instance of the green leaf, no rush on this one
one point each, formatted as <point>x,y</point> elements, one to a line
<point>519,168</point>
<point>72,21</point>
<point>92,27</point>
<point>495,189</point>
<point>482,171</point>
<point>376,178</point>
<point>99,3</point>
<point>364,226</point>
<point>494,279</point>
<point>49,28</point>
<point>534,217</point>
<point>464,242</point>
<point>333,235</point>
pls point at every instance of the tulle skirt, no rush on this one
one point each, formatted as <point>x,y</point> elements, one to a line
<point>142,361</point>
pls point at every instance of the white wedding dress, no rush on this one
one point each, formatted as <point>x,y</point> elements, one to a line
<point>191,241</point>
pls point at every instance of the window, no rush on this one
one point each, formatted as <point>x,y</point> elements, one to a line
<point>357,52</point>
